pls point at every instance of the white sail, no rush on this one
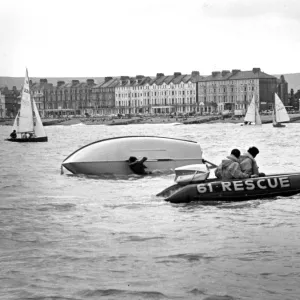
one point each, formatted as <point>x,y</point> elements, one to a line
<point>257,116</point>
<point>250,115</point>
<point>280,112</point>
<point>16,122</point>
<point>25,114</point>
<point>38,124</point>
<point>273,117</point>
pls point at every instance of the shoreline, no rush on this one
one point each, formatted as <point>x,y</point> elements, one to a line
<point>295,118</point>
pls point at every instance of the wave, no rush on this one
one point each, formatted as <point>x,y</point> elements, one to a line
<point>56,206</point>
<point>119,292</point>
<point>186,256</point>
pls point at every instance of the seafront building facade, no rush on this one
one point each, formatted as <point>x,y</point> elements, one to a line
<point>231,91</point>
<point>163,94</point>
<point>9,102</point>
<point>219,92</point>
<point>2,106</point>
<point>160,95</point>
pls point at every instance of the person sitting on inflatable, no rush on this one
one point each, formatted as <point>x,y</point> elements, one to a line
<point>248,162</point>
<point>230,168</point>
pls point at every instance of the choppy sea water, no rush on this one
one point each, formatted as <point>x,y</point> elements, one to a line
<point>77,237</point>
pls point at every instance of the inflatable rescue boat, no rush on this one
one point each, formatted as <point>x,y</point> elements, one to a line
<point>199,188</point>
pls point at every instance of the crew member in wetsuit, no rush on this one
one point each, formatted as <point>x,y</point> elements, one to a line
<point>137,166</point>
<point>230,168</point>
<point>13,135</point>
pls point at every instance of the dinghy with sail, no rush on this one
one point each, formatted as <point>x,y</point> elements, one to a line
<point>252,115</point>
<point>28,126</point>
<point>279,113</point>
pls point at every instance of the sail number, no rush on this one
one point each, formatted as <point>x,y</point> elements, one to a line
<point>247,185</point>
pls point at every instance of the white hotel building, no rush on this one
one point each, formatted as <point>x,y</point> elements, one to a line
<point>162,94</point>
<point>194,93</point>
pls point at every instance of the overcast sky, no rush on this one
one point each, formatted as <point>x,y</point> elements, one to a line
<point>94,38</point>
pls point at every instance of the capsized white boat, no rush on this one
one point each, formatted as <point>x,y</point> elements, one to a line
<point>28,124</point>
<point>110,156</point>
<point>252,115</point>
<point>279,113</point>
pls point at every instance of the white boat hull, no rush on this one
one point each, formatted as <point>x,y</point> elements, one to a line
<point>111,156</point>
<point>191,174</point>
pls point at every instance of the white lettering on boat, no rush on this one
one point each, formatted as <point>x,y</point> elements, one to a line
<point>203,188</point>
<point>272,185</point>
<point>284,182</point>
<point>247,185</point>
<point>238,186</point>
<point>259,184</point>
<point>226,186</point>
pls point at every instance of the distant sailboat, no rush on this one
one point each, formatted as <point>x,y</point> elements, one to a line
<point>279,113</point>
<point>28,126</point>
<point>252,115</point>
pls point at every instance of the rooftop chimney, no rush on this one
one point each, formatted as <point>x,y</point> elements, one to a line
<point>158,75</point>
<point>140,78</point>
<point>177,74</point>
<point>75,82</point>
<point>107,79</point>
<point>282,79</point>
<point>195,73</point>
<point>59,83</point>
<point>235,71</point>
<point>225,72</point>
<point>215,73</point>
<point>124,79</point>
<point>132,80</point>
<point>43,80</point>
<point>256,70</point>
<point>90,81</point>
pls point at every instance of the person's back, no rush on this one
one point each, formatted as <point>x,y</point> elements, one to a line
<point>230,168</point>
<point>13,135</point>
<point>248,163</point>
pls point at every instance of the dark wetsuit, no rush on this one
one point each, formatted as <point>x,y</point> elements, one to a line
<point>138,167</point>
<point>13,135</point>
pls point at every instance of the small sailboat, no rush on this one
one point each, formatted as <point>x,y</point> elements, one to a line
<point>252,115</point>
<point>279,113</point>
<point>28,126</point>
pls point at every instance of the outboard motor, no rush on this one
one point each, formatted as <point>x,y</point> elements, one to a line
<point>191,174</point>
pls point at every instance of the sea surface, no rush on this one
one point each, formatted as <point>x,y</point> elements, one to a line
<point>77,237</point>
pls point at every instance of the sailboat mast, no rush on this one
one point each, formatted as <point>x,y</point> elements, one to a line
<point>31,101</point>
<point>256,109</point>
<point>274,108</point>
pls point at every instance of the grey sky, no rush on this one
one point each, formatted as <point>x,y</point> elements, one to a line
<point>135,37</point>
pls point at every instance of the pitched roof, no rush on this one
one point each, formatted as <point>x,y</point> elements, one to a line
<point>255,73</point>
<point>251,75</point>
<point>110,83</point>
